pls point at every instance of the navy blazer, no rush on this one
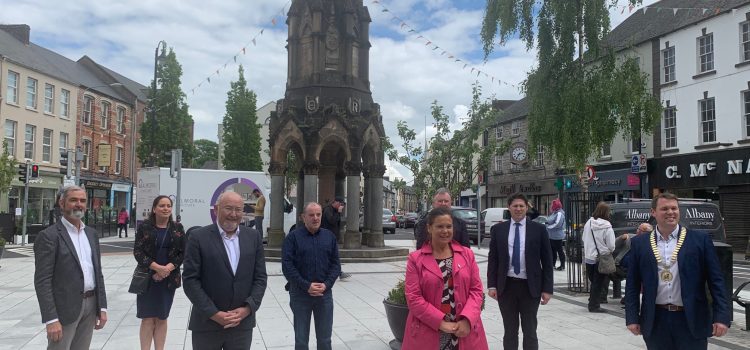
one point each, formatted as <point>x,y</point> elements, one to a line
<point>698,266</point>
<point>538,258</point>
<point>211,286</point>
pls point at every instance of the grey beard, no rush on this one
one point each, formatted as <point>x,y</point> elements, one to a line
<point>78,214</point>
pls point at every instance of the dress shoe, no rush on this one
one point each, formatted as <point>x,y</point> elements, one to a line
<point>561,268</point>
<point>598,310</point>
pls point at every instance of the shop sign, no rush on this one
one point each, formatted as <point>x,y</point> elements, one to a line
<point>605,181</point>
<point>720,168</point>
<point>532,187</point>
<point>121,187</point>
<point>97,184</point>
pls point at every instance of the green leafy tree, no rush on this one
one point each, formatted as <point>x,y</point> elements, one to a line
<point>579,103</point>
<point>453,158</point>
<point>205,150</point>
<point>172,125</point>
<point>7,168</point>
<point>241,130</point>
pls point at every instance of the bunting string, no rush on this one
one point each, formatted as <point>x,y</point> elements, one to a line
<point>674,10</point>
<point>413,32</point>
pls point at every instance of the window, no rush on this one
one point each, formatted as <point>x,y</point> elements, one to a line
<point>88,103</point>
<point>499,132</point>
<point>706,53</point>
<point>745,41</point>
<point>498,162</point>
<point>539,161</point>
<point>49,98</point>
<point>118,160</point>
<point>31,86</point>
<point>708,120</point>
<point>516,127</point>
<point>635,145</point>
<point>746,111</point>
<point>47,146</point>
<point>670,127</point>
<point>64,144</point>
<point>10,136</point>
<point>86,150</point>
<point>105,115</point>
<point>606,151</point>
<point>12,94</point>
<point>120,120</point>
<point>28,150</point>
<point>65,103</point>
<point>669,64</point>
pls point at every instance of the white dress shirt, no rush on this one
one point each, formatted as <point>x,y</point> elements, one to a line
<point>232,246</point>
<point>512,242</point>
<point>83,249</point>
<point>668,292</point>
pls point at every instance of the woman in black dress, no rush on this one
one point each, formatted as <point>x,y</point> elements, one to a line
<point>160,247</point>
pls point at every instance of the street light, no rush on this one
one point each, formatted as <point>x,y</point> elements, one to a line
<point>152,109</point>
<point>79,137</point>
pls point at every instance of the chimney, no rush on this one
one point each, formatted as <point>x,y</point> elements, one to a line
<point>18,31</point>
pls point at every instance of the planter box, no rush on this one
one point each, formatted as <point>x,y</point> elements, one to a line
<point>396,315</point>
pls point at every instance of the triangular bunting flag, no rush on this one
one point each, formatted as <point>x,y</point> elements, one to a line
<point>412,30</point>
<point>428,43</point>
<point>253,41</point>
<point>465,66</point>
<point>235,58</point>
<point>209,80</point>
<point>262,30</point>
<point>243,49</point>
<point>273,21</point>
<point>704,11</point>
<point>674,12</point>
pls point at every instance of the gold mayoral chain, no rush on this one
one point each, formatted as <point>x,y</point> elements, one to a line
<point>665,274</point>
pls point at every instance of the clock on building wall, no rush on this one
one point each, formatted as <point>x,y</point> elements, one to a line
<point>518,153</point>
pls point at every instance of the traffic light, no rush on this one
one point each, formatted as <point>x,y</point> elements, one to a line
<point>22,172</point>
<point>34,171</point>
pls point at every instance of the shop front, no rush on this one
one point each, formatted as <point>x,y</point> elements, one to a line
<point>42,195</point>
<point>120,196</point>
<point>540,193</point>
<point>98,193</point>
<point>612,185</point>
<point>720,176</point>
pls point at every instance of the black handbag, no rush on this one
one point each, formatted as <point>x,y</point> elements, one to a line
<point>140,282</point>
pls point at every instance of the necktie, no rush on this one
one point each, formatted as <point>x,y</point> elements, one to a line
<point>516,259</point>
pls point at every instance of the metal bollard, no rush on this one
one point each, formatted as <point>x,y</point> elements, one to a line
<point>744,303</point>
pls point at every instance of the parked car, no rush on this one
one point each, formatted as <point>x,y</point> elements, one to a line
<point>490,217</point>
<point>468,215</point>
<point>389,221</point>
<point>407,220</point>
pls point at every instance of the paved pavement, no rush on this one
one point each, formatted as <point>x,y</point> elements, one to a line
<point>359,318</point>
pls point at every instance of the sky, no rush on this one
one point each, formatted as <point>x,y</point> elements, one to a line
<point>406,72</point>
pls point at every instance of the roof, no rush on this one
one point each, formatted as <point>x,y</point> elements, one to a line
<point>660,19</point>
<point>517,110</point>
<point>50,63</point>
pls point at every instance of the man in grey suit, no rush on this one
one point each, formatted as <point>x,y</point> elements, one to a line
<point>68,276</point>
<point>225,279</point>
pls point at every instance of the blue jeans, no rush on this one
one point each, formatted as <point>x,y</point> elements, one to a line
<point>303,305</point>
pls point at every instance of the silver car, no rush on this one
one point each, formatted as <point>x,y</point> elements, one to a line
<point>389,221</point>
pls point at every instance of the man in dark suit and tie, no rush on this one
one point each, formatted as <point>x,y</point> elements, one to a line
<point>68,276</point>
<point>225,279</point>
<point>673,265</point>
<point>519,272</point>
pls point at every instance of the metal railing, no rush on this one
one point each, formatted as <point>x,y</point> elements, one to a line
<point>578,208</point>
<point>103,221</point>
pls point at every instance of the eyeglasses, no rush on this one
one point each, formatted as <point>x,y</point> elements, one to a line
<point>230,210</point>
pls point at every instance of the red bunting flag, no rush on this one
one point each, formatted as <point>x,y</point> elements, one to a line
<point>273,21</point>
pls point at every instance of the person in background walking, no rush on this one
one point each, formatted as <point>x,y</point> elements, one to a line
<point>310,263</point>
<point>556,230</point>
<point>331,220</point>
<point>519,272</point>
<point>260,207</point>
<point>122,222</point>
<point>160,248</point>
<point>68,277</point>
<point>598,237</point>
<point>443,291</point>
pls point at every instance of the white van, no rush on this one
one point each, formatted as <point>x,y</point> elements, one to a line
<point>492,216</point>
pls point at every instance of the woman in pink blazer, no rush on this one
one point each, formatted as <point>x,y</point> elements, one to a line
<point>443,291</point>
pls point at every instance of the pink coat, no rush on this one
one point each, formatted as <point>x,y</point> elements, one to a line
<point>122,217</point>
<point>424,291</point>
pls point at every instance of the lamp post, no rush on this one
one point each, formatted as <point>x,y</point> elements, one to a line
<point>152,108</point>
<point>79,154</point>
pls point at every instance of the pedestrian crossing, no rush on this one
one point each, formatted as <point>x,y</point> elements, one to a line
<point>25,250</point>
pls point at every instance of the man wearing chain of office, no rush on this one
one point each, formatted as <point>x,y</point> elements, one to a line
<point>674,265</point>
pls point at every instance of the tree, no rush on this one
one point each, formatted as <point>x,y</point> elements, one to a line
<point>241,130</point>
<point>453,158</point>
<point>7,168</point>
<point>579,103</point>
<point>168,124</point>
<point>205,150</point>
